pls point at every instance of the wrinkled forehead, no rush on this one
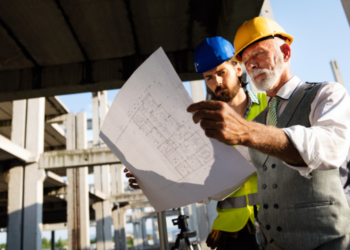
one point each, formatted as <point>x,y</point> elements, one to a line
<point>265,45</point>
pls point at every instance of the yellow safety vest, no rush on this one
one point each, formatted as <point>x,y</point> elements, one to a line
<point>236,209</point>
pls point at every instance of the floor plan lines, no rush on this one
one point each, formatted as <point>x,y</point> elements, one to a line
<point>184,148</point>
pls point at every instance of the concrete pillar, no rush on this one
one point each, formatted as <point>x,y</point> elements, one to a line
<point>197,89</point>
<point>114,188</point>
<point>95,119</point>
<point>346,6</point>
<point>203,225</point>
<point>163,232</point>
<point>103,106</point>
<point>116,226</point>
<point>78,218</point>
<point>336,72</point>
<point>120,178</point>
<point>19,112</point>
<point>211,212</point>
<point>122,223</point>
<point>14,178</point>
<point>33,177</point>
<point>144,232</point>
<point>155,231</point>
<point>83,186</point>
<point>137,235</point>
<point>266,10</point>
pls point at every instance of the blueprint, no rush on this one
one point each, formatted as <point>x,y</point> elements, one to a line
<point>150,131</point>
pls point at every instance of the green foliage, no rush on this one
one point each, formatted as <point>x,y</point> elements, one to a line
<point>61,243</point>
<point>3,246</point>
<point>130,242</point>
<point>93,240</point>
<point>45,243</point>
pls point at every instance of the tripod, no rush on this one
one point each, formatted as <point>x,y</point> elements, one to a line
<point>185,233</point>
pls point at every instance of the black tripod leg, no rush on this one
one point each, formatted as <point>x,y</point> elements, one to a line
<point>177,243</point>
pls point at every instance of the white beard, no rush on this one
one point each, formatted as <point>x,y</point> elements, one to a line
<point>271,76</point>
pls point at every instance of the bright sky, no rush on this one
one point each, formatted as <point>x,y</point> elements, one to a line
<point>321,33</point>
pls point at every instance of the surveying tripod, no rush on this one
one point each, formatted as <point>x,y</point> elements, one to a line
<point>185,233</point>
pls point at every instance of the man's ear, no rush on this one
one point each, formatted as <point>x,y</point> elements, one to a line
<point>238,70</point>
<point>287,52</point>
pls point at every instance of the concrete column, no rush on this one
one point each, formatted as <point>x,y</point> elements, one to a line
<point>193,221</point>
<point>346,6</point>
<point>120,178</point>
<point>155,231</point>
<point>19,112</point>
<point>197,89</point>
<point>211,212</point>
<point>114,188</point>
<point>78,190</point>
<point>336,72</point>
<point>137,235</point>
<point>122,223</point>
<point>144,232</point>
<point>95,119</point>
<point>83,186</point>
<point>71,192</point>
<point>163,232</point>
<point>266,10</point>
<point>116,226</point>
<point>33,177</point>
<point>203,225</point>
<point>14,178</point>
<point>103,106</point>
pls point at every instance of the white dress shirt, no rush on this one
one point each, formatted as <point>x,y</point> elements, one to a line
<point>324,145</point>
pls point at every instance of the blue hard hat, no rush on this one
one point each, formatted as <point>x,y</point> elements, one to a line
<point>211,53</point>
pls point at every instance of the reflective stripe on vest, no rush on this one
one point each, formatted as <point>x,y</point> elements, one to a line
<point>238,202</point>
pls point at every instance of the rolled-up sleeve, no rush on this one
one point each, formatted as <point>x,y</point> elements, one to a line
<point>324,145</point>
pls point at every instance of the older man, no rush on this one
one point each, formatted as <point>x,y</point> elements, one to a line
<point>297,144</point>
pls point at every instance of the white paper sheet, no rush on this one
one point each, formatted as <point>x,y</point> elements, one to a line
<point>150,131</point>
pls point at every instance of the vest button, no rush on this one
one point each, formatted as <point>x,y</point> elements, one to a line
<point>268,227</point>
<point>275,206</point>
<point>273,165</point>
<point>279,229</point>
<point>263,186</point>
<point>274,186</point>
<point>264,168</point>
<point>266,206</point>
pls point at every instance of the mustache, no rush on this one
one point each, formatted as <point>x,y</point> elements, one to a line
<point>256,72</point>
<point>218,88</point>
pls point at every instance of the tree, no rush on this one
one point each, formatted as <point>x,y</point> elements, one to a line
<point>45,243</point>
<point>3,246</point>
<point>61,243</point>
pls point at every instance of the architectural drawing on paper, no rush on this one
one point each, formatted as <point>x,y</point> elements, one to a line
<point>179,143</point>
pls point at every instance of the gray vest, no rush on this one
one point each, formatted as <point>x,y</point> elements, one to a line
<point>295,212</point>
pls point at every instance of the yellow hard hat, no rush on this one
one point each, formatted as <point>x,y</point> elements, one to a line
<point>254,30</point>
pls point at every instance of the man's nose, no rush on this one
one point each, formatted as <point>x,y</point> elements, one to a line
<point>218,80</point>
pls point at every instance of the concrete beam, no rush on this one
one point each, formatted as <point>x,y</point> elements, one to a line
<point>336,72</point>
<point>16,151</point>
<point>127,197</point>
<point>69,78</point>
<point>346,6</point>
<point>77,158</point>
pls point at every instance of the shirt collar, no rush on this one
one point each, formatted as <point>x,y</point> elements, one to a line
<point>288,88</point>
<point>252,99</point>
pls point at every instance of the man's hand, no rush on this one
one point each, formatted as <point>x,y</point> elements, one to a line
<point>132,180</point>
<point>220,122</point>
